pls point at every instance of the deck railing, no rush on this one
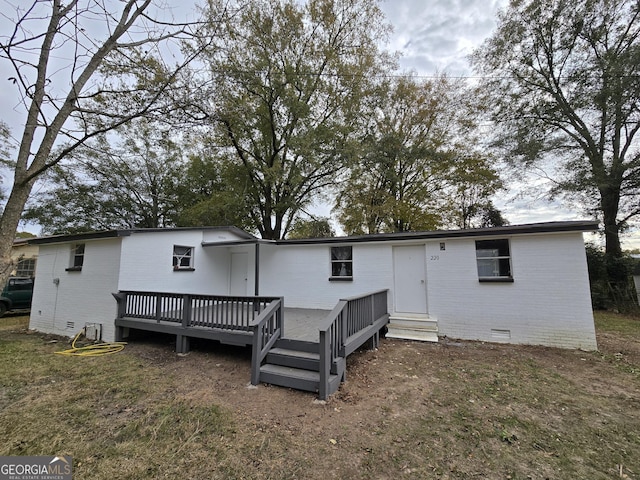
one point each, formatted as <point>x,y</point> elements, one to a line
<point>267,329</point>
<point>208,311</point>
<point>351,323</point>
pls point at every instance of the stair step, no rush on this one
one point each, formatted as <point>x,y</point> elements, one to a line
<point>300,345</point>
<point>413,322</point>
<point>423,327</point>
<point>425,334</point>
<point>294,358</point>
<point>297,378</point>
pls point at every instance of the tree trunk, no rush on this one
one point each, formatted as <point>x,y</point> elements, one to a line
<point>9,225</point>
<point>618,274</point>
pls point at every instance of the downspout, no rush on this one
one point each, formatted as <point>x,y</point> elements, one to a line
<point>257,271</point>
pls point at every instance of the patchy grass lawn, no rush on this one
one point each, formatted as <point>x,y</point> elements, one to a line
<point>455,410</point>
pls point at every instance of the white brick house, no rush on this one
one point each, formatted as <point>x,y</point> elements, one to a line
<point>521,284</point>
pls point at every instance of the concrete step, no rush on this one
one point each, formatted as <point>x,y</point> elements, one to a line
<point>414,322</point>
<point>294,358</point>
<point>413,328</point>
<point>297,378</point>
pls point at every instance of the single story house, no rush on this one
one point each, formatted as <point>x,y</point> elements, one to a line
<point>525,284</point>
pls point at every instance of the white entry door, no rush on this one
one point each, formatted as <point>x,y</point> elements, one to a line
<point>239,274</point>
<point>410,279</point>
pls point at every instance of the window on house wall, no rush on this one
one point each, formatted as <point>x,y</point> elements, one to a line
<point>182,257</point>
<point>26,267</point>
<point>341,263</point>
<point>77,257</point>
<point>494,260</point>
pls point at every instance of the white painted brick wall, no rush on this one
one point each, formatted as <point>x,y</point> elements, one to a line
<point>146,264</point>
<point>301,273</point>
<point>548,303</point>
<point>79,297</point>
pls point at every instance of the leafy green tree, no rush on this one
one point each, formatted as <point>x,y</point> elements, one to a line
<point>311,228</point>
<point>129,184</point>
<point>473,181</point>
<point>564,80</point>
<point>418,158</point>
<point>289,78</point>
<point>212,192</point>
<point>80,68</point>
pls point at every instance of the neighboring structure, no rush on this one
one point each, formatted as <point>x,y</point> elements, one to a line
<point>24,256</point>
<point>520,284</point>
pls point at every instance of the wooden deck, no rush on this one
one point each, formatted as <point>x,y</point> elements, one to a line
<point>293,347</point>
<point>303,324</point>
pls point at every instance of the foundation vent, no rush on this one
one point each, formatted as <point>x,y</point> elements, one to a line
<point>501,334</point>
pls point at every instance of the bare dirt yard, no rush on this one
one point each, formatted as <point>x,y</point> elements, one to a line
<point>451,410</point>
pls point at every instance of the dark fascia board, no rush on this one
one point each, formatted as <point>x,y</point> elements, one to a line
<point>127,232</point>
<point>525,229</point>
<point>233,243</point>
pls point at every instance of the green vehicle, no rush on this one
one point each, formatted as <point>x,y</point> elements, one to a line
<point>17,294</point>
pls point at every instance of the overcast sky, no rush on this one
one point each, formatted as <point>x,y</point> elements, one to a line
<point>436,36</point>
<point>433,36</point>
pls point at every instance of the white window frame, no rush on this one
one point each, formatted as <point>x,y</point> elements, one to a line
<point>26,267</point>
<point>76,260</point>
<point>340,265</point>
<point>179,257</point>
<point>493,260</point>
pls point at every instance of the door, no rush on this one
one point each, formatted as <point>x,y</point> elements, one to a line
<point>239,274</point>
<point>410,279</point>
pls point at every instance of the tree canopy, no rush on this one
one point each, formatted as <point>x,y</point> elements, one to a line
<point>124,180</point>
<point>81,68</point>
<point>289,78</point>
<point>419,167</point>
<point>564,80</point>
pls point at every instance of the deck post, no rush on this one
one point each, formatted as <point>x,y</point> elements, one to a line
<point>121,299</point>
<point>186,310</point>
<point>182,344</point>
<point>280,318</point>
<point>255,362</point>
<point>325,365</point>
<point>158,307</point>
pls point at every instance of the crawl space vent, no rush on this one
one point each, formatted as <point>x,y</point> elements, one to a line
<point>501,334</point>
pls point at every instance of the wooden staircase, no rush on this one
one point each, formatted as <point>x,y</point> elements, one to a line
<point>413,327</point>
<point>296,364</point>
<point>316,366</point>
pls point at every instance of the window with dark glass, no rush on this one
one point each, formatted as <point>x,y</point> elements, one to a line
<point>77,257</point>
<point>182,258</point>
<point>494,260</point>
<point>341,262</point>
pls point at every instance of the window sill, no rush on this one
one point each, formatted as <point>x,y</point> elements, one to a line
<point>496,280</point>
<point>341,279</point>
<point>184,269</point>
<point>73,269</point>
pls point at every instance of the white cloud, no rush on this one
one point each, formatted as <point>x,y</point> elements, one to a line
<point>437,36</point>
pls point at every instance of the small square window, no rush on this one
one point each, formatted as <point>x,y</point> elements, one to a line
<point>182,258</point>
<point>77,258</point>
<point>494,260</point>
<point>341,263</point>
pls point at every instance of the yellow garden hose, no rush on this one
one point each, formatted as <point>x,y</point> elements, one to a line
<point>92,350</point>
